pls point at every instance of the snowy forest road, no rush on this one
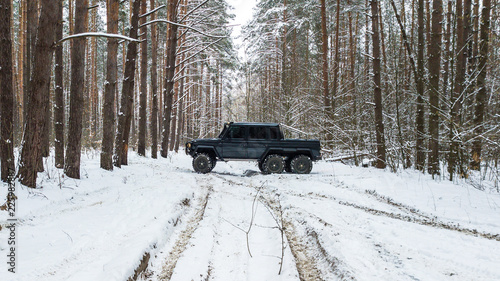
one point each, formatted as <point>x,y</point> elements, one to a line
<point>338,223</point>
<point>315,227</point>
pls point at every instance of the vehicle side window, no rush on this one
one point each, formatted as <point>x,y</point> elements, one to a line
<point>236,132</point>
<point>274,133</point>
<point>257,133</point>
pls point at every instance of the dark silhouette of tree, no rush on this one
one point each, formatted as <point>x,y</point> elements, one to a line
<point>108,109</point>
<point>434,71</point>
<point>73,149</point>
<point>481,85</point>
<point>377,91</point>
<point>125,111</point>
<point>38,94</point>
<point>143,97</point>
<point>168,91</point>
<point>59,93</point>
<point>6,92</point>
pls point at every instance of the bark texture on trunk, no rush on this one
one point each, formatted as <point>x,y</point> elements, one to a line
<point>143,97</point>
<point>434,71</point>
<point>420,162</point>
<point>38,94</point>
<point>108,110</point>
<point>6,93</point>
<point>168,91</point>
<point>154,86</point>
<point>59,93</point>
<point>73,149</point>
<point>324,49</point>
<point>127,99</point>
<point>481,79</point>
<point>377,92</point>
<point>457,95</point>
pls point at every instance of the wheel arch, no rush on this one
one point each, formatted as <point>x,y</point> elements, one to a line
<point>210,150</point>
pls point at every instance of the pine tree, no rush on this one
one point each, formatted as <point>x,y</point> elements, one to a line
<point>73,149</point>
<point>7,93</point>
<point>38,94</point>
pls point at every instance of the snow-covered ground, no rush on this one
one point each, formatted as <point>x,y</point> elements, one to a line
<point>337,223</point>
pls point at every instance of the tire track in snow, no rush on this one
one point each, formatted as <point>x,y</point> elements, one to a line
<point>312,244</point>
<point>312,260</point>
<point>185,236</point>
<point>411,216</point>
<point>305,263</point>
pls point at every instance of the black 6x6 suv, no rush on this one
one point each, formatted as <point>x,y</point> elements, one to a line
<point>263,142</point>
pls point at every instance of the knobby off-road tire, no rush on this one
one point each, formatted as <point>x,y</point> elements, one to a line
<point>202,163</point>
<point>301,164</point>
<point>273,164</point>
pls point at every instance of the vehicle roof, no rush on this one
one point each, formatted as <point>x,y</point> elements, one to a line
<point>255,124</point>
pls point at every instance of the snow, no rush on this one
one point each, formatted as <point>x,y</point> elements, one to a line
<point>339,222</point>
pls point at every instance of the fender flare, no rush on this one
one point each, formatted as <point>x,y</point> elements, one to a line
<point>210,149</point>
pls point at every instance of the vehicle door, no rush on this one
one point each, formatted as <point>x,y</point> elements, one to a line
<point>234,144</point>
<point>257,141</point>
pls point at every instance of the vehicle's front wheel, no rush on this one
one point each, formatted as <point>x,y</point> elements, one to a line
<point>214,162</point>
<point>202,163</point>
<point>273,164</point>
<point>261,166</point>
<point>301,164</point>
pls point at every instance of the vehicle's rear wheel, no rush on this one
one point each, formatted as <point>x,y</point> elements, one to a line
<point>274,164</point>
<point>202,163</point>
<point>301,164</point>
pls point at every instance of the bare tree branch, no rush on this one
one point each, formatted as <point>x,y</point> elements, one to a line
<point>184,26</point>
<point>192,11</point>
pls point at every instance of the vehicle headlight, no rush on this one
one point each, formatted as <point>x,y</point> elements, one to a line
<point>188,145</point>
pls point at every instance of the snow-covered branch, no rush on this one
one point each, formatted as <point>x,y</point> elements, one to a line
<point>96,34</point>
<point>152,11</point>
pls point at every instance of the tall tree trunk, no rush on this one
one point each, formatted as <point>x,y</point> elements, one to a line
<point>108,110</point>
<point>336,64</point>
<point>93,95</point>
<point>434,70</point>
<point>154,86</point>
<point>324,50</point>
<point>31,27</point>
<point>7,93</point>
<point>447,52</point>
<point>59,93</point>
<point>481,94</point>
<point>377,92</point>
<point>143,99</point>
<point>127,98</point>
<point>46,130</point>
<point>38,94</point>
<point>180,117</point>
<point>168,91</point>
<point>73,149</point>
<point>457,96</point>
<point>420,146</point>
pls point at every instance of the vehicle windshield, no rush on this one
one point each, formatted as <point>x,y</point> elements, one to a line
<point>223,130</point>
